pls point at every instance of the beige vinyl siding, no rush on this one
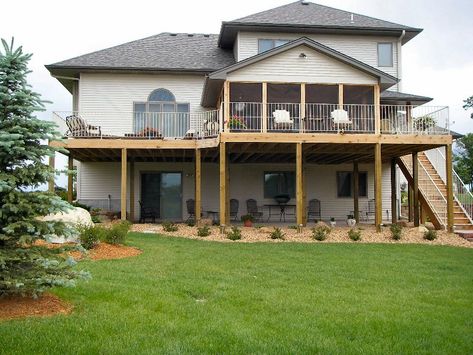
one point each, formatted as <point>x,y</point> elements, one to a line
<point>363,48</point>
<point>98,180</point>
<point>289,67</point>
<point>107,99</point>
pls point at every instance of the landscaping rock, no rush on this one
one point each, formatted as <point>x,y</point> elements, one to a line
<point>76,216</point>
<point>422,229</point>
<point>267,230</point>
<point>205,222</point>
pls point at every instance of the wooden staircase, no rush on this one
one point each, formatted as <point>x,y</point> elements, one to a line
<point>433,195</point>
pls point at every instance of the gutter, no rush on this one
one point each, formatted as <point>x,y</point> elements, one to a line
<point>399,58</point>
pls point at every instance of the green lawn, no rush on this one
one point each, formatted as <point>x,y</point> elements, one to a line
<point>187,296</point>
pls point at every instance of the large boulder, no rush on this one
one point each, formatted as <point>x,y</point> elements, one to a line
<point>76,216</point>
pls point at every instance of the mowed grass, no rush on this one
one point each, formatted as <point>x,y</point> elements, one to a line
<point>191,296</point>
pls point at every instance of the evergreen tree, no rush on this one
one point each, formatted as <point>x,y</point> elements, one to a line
<point>25,267</point>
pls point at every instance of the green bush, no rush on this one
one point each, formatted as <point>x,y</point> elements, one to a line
<point>190,223</point>
<point>116,234</point>
<point>169,226</point>
<point>203,231</point>
<point>81,205</point>
<point>234,234</point>
<point>277,234</point>
<point>89,237</point>
<point>354,234</point>
<point>320,233</point>
<point>396,231</point>
<point>95,218</point>
<point>430,235</point>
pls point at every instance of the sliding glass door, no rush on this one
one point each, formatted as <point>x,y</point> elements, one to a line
<point>162,193</point>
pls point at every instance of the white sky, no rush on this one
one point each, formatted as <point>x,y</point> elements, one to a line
<point>437,63</point>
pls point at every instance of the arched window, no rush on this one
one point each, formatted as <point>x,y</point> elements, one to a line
<point>161,114</point>
<point>161,95</point>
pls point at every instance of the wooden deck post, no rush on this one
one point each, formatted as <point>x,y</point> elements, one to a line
<point>51,181</point>
<point>356,192</point>
<point>264,110</point>
<point>302,109</point>
<point>223,184</point>
<point>449,173</point>
<point>377,110</point>
<point>226,102</point>
<point>415,188</point>
<point>340,96</point>
<point>299,186</point>
<point>378,220</point>
<point>132,191</point>
<point>393,191</point>
<point>123,184</point>
<point>70,178</point>
<point>198,186</point>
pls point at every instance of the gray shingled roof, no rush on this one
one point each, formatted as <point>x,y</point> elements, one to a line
<point>308,13</point>
<point>163,52</point>
<point>312,18</point>
<point>388,95</point>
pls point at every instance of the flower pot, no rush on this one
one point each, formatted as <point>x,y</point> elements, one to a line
<point>247,223</point>
<point>333,223</point>
<point>351,222</point>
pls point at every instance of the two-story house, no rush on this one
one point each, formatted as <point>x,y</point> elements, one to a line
<point>295,112</point>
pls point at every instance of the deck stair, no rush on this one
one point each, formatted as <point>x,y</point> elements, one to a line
<point>433,194</point>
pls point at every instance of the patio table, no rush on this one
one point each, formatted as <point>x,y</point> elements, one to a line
<point>281,210</point>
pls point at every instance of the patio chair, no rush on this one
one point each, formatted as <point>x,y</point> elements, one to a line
<point>252,209</point>
<point>147,213</point>
<point>234,204</point>
<point>314,210</point>
<point>371,209</point>
<point>340,117</point>
<point>190,205</point>
<point>78,127</point>
<point>282,119</point>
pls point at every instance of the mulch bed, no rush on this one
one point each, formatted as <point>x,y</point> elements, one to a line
<point>104,251</point>
<point>21,307</point>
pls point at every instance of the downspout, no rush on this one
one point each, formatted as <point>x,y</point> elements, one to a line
<point>399,67</point>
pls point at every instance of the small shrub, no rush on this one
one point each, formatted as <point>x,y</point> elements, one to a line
<point>89,237</point>
<point>430,235</point>
<point>190,223</point>
<point>396,231</point>
<point>81,205</point>
<point>234,234</point>
<point>116,234</point>
<point>203,231</point>
<point>354,234</point>
<point>320,233</point>
<point>277,234</point>
<point>95,218</point>
<point>170,226</point>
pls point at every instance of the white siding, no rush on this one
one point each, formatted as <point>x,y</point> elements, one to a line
<point>107,99</point>
<point>98,180</point>
<point>363,48</point>
<point>289,67</point>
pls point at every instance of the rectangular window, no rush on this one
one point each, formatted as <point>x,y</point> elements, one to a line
<point>385,54</point>
<point>345,184</point>
<point>279,183</point>
<point>267,44</point>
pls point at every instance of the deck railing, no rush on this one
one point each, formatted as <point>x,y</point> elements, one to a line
<point>254,117</point>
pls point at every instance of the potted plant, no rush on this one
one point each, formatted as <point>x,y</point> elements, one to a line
<point>247,220</point>
<point>351,221</point>
<point>332,222</point>
<point>236,123</point>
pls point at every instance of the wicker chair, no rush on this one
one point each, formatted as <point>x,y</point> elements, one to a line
<point>234,205</point>
<point>371,209</point>
<point>314,210</point>
<point>147,213</point>
<point>190,204</point>
<point>252,209</point>
<point>78,127</point>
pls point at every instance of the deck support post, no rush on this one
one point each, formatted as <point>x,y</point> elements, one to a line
<point>410,203</point>
<point>223,184</point>
<point>264,110</point>
<point>226,103</point>
<point>302,109</point>
<point>449,178</point>
<point>356,192</point>
<point>340,96</point>
<point>377,110</point>
<point>198,186</point>
<point>299,186</point>
<point>70,178</point>
<point>132,191</point>
<point>378,214</point>
<point>393,192</point>
<point>51,179</point>
<point>415,189</point>
<point>123,184</point>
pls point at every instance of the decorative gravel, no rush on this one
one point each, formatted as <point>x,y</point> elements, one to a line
<point>410,235</point>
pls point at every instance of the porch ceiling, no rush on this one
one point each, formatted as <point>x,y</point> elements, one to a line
<point>241,153</point>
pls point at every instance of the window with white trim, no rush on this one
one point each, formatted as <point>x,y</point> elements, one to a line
<point>267,44</point>
<point>385,54</point>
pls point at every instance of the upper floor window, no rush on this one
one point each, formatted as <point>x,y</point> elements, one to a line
<point>161,95</point>
<point>267,44</point>
<point>385,54</point>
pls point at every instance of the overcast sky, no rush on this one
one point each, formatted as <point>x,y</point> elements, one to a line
<point>437,63</point>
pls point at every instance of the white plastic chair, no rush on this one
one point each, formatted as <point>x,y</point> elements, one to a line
<point>340,117</point>
<point>282,117</point>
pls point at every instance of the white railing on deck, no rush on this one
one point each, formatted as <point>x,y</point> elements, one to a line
<point>429,189</point>
<point>461,192</point>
